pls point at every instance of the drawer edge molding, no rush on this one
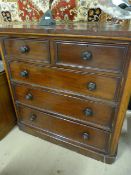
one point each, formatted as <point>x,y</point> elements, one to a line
<point>104,157</point>
<point>61,45</point>
<point>110,85</point>
<point>65,93</point>
<point>55,125</point>
<point>59,137</point>
<point>65,117</point>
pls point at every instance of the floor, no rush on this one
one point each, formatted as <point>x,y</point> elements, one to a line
<point>23,154</point>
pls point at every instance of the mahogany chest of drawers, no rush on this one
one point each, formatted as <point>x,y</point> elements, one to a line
<point>70,84</point>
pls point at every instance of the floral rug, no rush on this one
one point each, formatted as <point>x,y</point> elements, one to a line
<point>67,10</point>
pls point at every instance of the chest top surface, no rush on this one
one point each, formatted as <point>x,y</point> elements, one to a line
<point>86,30</point>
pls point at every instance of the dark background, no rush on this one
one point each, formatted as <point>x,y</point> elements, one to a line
<point>129,107</point>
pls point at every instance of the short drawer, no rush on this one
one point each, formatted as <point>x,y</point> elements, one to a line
<point>84,111</point>
<point>31,49</point>
<point>87,84</point>
<point>64,129</point>
<point>108,57</point>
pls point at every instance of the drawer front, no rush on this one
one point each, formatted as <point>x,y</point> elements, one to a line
<point>62,129</point>
<point>103,56</point>
<point>32,49</point>
<point>66,80</point>
<point>84,111</point>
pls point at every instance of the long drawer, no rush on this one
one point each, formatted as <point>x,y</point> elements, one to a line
<point>109,57</point>
<point>65,130</point>
<point>81,83</point>
<point>85,111</point>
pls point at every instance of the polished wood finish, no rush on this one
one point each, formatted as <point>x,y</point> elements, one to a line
<point>64,129</point>
<point>75,94</point>
<point>73,30</point>
<point>122,108</point>
<point>72,81</point>
<point>102,115</point>
<point>87,152</point>
<point>27,49</point>
<point>83,55</point>
<point>7,114</point>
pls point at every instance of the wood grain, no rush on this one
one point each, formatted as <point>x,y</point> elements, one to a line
<point>103,56</point>
<point>123,105</point>
<point>73,132</point>
<point>58,79</point>
<point>71,108</point>
<point>74,30</point>
<point>37,50</point>
<point>67,80</point>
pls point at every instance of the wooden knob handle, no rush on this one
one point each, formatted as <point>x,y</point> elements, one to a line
<point>24,73</point>
<point>88,112</point>
<point>33,117</point>
<point>29,96</point>
<point>87,55</point>
<point>24,49</point>
<point>91,86</point>
<point>86,136</point>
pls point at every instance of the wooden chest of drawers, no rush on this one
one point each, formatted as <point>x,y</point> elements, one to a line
<point>70,85</point>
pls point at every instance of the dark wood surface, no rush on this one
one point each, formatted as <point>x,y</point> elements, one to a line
<point>66,80</point>
<point>36,51</point>
<point>71,82</point>
<point>102,56</point>
<point>102,115</point>
<point>75,29</point>
<point>71,131</point>
<point>7,114</point>
<point>106,158</point>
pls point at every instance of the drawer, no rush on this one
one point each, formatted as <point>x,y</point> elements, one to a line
<point>80,83</point>
<point>31,49</point>
<point>64,129</point>
<point>108,57</point>
<point>84,111</point>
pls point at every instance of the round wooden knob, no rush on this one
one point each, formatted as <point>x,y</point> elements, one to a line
<point>24,73</point>
<point>86,136</point>
<point>87,55</point>
<point>24,49</point>
<point>33,117</point>
<point>29,96</point>
<point>91,86</point>
<point>88,112</point>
